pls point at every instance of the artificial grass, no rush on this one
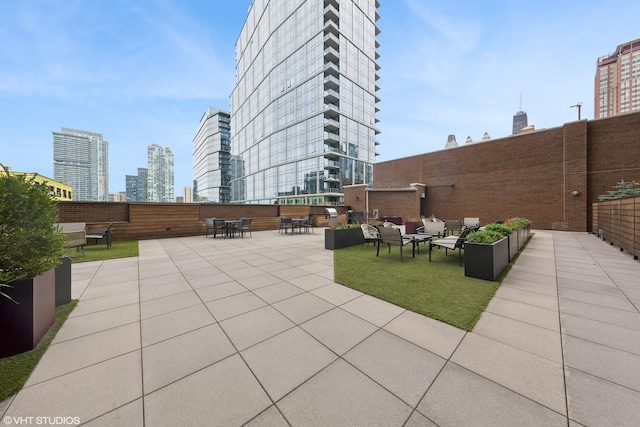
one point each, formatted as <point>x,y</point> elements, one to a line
<point>99,252</point>
<point>15,370</point>
<point>437,289</point>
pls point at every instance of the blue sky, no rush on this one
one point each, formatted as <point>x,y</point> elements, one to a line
<point>143,72</point>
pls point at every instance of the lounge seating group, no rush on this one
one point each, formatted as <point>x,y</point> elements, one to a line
<point>451,242</point>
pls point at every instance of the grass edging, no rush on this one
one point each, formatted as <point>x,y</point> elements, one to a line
<point>15,370</point>
<point>100,252</point>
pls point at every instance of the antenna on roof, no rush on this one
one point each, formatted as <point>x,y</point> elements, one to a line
<point>520,109</point>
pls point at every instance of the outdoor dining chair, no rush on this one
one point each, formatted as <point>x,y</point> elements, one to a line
<point>245,225</point>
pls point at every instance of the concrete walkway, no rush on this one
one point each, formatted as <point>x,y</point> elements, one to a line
<point>226,332</point>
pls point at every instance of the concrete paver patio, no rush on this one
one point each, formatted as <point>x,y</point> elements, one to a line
<point>197,331</point>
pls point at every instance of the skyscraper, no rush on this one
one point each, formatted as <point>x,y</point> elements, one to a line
<point>81,160</point>
<point>303,121</point>
<point>212,157</point>
<point>519,119</point>
<point>136,186</point>
<point>617,81</point>
<point>160,174</point>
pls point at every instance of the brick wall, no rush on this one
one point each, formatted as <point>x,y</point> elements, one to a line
<point>531,175</point>
<point>161,220</point>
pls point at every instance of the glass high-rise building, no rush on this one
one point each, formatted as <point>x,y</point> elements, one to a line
<point>81,160</point>
<point>617,81</point>
<point>303,111</point>
<point>136,186</point>
<point>519,121</point>
<point>160,186</point>
<point>212,157</point>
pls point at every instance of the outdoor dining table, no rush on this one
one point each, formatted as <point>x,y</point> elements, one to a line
<point>297,222</point>
<point>230,224</point>
<point>416,239</point>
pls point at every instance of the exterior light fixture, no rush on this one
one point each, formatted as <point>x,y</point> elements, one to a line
<point>575,193</point>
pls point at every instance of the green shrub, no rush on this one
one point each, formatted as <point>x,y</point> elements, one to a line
<point>30,243</point>
<point>517,223</point>
<point>503,229</point>
<point>484,236</point>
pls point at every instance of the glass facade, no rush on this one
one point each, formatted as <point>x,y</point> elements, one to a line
<point>81,160</point>
<point>212,157</point>
<point>303,118</point>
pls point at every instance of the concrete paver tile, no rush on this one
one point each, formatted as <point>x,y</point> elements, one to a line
<point>225,393</point>
<point>303,307</point>
<point>430,334</point>
<point>460,397</point>
<point>255,326</point>
<point>339,330</point>
<point>373,309</point>
<point>341,395</point>
<point>286,360</point>
<point>159,328</point>
<point>398,365</point>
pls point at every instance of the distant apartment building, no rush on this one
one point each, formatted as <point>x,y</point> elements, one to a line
<point>187,195</point>
<point>81,160</point>
<point>136,186</point>
<point>212,157</point>
<point>57,190</point>
<point>120,196</point>
<point>617,81</point>
<point>160,171</point>
<point>303,122</point>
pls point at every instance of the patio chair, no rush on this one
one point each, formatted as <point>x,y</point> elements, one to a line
<point>370,234</point>
<point>453,226</point>
<point>99,234</point>
<point>451,242</point>
<point>471,222</point>
<point>245,225</point>
<point>219,226</point>
<point>388,224</point>
<point>433,228</point>
<point>286,224</point>
<point>392,236</point>
<point>209,224</point>
<point>307,224</point>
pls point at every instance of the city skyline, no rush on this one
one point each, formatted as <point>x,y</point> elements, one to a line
<point>142,75</point>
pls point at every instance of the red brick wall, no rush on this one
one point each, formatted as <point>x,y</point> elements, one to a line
<point>530,175</point>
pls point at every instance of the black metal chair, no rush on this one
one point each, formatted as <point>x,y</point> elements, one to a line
<point>219,226</point>
<point>245,225</point>
<point>99,234</point>
<point>286,224</point>
<point>392,236</point>
<point>451,242</point>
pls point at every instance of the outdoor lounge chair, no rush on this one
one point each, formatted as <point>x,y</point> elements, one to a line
<point>433,228</point>
<point>451,242</point>
<point>370,233</point>
<point>392,236</point>
<point>99,234</point>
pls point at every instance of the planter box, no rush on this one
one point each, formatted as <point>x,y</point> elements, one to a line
<point>486,262</point>
<point>342,238</point>
<point>411,226</point>
<point>63,282</point>
<point>23,325</point>
<point>514,247</point>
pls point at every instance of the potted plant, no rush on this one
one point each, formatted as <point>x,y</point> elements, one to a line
<point>522,227</point>
<point>486,254</point>
<point>512,239</point>
<point>31,247</point>
<point>342,236</point>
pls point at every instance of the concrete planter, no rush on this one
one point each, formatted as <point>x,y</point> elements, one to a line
<point>23,325</point>
<point>514,247</point>
<point>486,262</point>
<point>63,282</point>
<point>342,238</point>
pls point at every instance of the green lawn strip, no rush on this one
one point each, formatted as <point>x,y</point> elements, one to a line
<point>15,370</point>
<point>437,289</point>
<point>98,252</point>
